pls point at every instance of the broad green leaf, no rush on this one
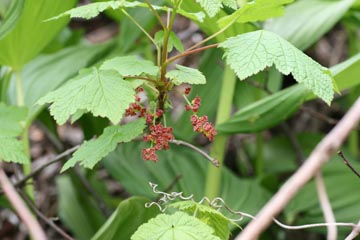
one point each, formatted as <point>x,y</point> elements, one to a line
<point>172,227</point>
<point>258,10</point>
<point>130,66</point>
<point>31,34</point>
<point>76,208</point>
<point>305,22</point>
<point>90,153</point>
<point>11,17</point>
<point>47,72</point>
<point>208,215</point>
<point>127,217</point>
<point>91,10</point>
<point>239,193</point>
<point>11,118</point>
<point>252,52</point>
<point>103,93</point>
<point>211,7</point>
<point>173,41</point>
<point>266,112</point>
<point>186,75</point>
<point>344,73</point>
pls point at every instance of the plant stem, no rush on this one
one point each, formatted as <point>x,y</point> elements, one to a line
<point>5,85</point>
<point>156,14</point>
<point>29,189</point>
<point>213,178</point>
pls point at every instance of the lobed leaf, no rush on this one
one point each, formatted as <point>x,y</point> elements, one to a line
<point>130,66</point>
<point>91,152</point>
<point>174,41</point>
<point>12,150</point>
<point>172,227</point>
<point>206,214</point>
<point>91,10</point>
<point>104,93</point>
<point>186,75</point>
<point>252,52</point>
<point>258,10</point>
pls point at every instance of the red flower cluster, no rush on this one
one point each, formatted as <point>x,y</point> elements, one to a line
<point>200,124</point>
<point>136,108</point>
<point>160,137</point>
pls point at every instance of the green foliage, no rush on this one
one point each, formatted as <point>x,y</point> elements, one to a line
<point>11,17</point>
<point>93,90</point>
<point>89,11</point>
<point>174,41</point>
<point>11,118</point>
<point>93,151</point>
<point>31,34</point>
<point>186,75</point>
<point>127,217</point>
<point>212,7</point>
<point>172,227</point>
<point>258,10</point>
<point>208,215</point>
<point>261,49</point>
<point>130,66</point>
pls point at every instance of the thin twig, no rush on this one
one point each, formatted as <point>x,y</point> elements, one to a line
<point>102,205</point>
<point>311,166</point>
<point>214,161</point>
<point>25,215</point>
<point>38,170</point>
<point>347,163</point>
<point>44,218</point>
<point>354,233</point>
<point>325,204</point>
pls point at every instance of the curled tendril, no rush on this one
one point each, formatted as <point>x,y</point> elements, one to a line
<point>217,203</point>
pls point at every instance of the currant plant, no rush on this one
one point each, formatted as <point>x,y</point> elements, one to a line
<point>125,88</point>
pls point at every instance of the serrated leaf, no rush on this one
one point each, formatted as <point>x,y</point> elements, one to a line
<point>130,66</point>
<point>10,118</point>
<point>186,75</point>
<point>89,11</point>
<point>12,149</point>
<point>91,152</point>
<point>230,3</point>
<point>103,93</point>
<point>208,215</point>
<point>258,10</point>
<point>172,227</point>
<point>211,7</point>
<point>174,41</point>
<point>252,52</point>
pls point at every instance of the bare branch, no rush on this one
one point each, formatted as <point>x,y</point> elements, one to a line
<point>214,161</point>
<point>318,157</point>
<point>44,218</point>
<point>347,163</point>
<point>354,233</point>
<point>326,207</point>
<point>25,215</point>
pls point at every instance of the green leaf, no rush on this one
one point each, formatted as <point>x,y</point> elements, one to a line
<point>172,227</point>
<point>11,17</point>
<point>208,215</point>
<point>130,66</point>
<point>266,112</point>
<point>186,75</point>
<point>104,93</point>
<point>305,22</point>
<point>31,34</point>
<point>252,52</point>
<point>211,7</point>
<point>90,153</point>
<point>174,41</point>
<point>91,10</point>
<point>258,10</point>
<point>127,217</point>
<point>12,149</point>
<point>47,72</point>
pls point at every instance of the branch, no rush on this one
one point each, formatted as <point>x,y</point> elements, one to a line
<point>44,218</point>
<point>354,233</point>
<point>326,207</point>
<point>25,215</point>
<point>318,157</point>
<point>347,163</point>
<point>213,161</point>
